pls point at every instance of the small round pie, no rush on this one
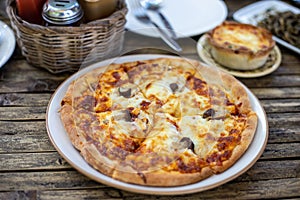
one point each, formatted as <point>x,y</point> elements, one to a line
<point>240,46</point>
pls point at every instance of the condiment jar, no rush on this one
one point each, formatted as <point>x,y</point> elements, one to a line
<point>62,12</point>
<point>97,9</point>
<point>30,10</point>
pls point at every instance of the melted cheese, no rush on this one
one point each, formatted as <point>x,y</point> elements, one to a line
<point>192,104</point>
<point>235,36</point>
<point>157,115</point>
<point>162,137</point>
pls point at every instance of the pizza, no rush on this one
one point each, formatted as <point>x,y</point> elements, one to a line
<point>159,122</point>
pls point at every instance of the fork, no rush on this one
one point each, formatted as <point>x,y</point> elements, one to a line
<point>141,14</point>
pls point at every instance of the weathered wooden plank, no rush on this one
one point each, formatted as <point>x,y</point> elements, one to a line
<point>22,113</point>
<point>273,189</point>
<point>156,45</point>
<point>262,170</point>
<point>25,99</point>
<point>41,143</point>
<point>277,93</point>
<point>40,80</point>
<point>44,180</point>
<point>288,67</point>
<point>19,195</point>
<point>34,112</point>
<point>285,97</point>
<point>265,170</point>
<point>30,85</point>
<point>32,161</point>
<point>281,105</point>
<point>20,70</point>
<point>38,112</point>
<point>283,120</point>
<point>31,136</point>
<point>280,188</point>
<point>273,81</point>
<point>280,134</point>
<point>24,137</point>
<point>286,150</point>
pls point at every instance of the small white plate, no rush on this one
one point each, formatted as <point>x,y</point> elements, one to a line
<point>62,143</point>
<point>270,66</point>
<point>7,43</point>
<point>250,14</point>
<point>188,18</point>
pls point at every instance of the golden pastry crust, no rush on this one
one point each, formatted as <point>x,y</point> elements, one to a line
<point>240,46</point>
<point>138,138</point>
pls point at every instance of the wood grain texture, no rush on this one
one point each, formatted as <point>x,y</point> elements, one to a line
<point>24,99</point>
<point>272,189</point>
<point>286,106</point>
<point>31,136</point>
<point>32,161</point>
<point>31,168</point>
<point>288,95</point>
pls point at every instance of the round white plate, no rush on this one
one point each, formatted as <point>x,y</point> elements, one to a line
<point>188,18</point>
<point>7,43</point>
<point>62,143</point>
<point>270,66</point>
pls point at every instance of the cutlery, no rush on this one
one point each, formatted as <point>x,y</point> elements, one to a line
<point>155,6</point>
<point>140,13</point>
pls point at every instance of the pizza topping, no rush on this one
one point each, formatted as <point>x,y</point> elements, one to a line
<point>125,92</point>
<point>194,165</point>
<point>127,116</point>
<point>145,105</point>
<point>174,87</point>
<point>130,114</point>
<point>209,113</point>
<point>217,158</point>
<point>186,142</point>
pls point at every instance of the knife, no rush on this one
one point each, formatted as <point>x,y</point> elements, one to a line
<point>167,24</point>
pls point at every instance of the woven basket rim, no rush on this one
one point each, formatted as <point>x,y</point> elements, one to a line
<point>113,18</point>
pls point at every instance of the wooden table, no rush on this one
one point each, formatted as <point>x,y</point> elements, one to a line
<point>31,168</point>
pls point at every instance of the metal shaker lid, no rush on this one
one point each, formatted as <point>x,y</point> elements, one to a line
<point>62,12</point>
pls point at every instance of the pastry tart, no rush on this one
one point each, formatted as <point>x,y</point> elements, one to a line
<point>240,46</point>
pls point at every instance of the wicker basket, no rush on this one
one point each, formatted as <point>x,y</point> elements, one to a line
<point>59,49</point>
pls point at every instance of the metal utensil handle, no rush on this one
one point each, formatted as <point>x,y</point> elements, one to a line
<point>172,43</point>
<point>167,24</point>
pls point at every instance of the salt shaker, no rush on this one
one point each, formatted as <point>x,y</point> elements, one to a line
<point>62,12</point>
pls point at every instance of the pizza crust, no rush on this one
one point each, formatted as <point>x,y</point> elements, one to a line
<point>161,178</point>
<point>246,139</point>
<point>115,167</point>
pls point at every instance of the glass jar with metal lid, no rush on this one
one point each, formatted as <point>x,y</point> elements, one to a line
<point>97,9</point>
<point>62,12</point>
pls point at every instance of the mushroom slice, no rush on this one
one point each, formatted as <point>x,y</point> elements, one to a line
<point>187,143</point>
<point>209,113</point>
<point>174,87</point>
<point>128,90</point>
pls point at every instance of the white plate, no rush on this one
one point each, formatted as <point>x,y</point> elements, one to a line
<point>188,18</point>
<point>7,43</point>
<point>62,143</point>
<point>272,63</point>
<point>250,13</point>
